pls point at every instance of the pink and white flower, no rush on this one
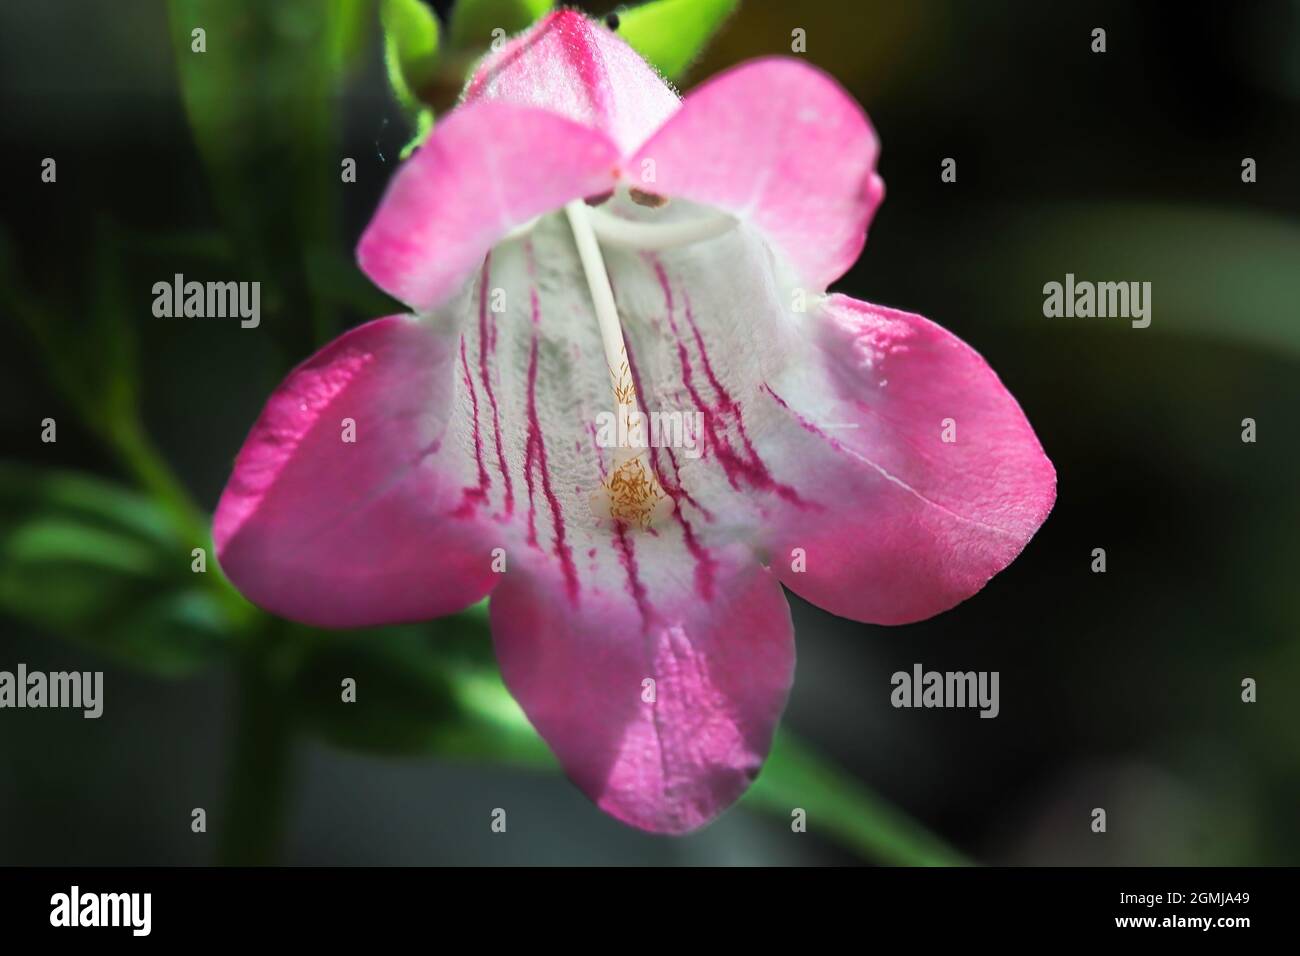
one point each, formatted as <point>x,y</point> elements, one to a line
<point>640,621</point>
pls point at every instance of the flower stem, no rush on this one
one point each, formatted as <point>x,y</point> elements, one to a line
<point>260,769</point>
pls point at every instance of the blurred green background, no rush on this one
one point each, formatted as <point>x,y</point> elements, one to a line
<point>1118,690</point>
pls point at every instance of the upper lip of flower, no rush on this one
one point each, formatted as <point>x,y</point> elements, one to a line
<point>472,424</point>
<point>774,142</point>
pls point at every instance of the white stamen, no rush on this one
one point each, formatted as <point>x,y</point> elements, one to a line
<point>602,296</point>
<point>630,493</point>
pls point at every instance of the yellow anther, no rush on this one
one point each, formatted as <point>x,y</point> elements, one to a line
<point>631,494</point>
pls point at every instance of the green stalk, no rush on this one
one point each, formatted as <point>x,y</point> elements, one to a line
<point>260,769</point>
<point>145,464</point>
<point>840,807</point>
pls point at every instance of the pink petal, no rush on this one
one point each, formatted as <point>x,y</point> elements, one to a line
<point>573,66</point>
<point>903,524</point>
<point>485,169</point>
<point>781,145</point>
<point>340,534</point>
<point>721,670</point>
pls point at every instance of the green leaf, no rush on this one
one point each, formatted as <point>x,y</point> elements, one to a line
<point>262,101</point>
<point>843,809</point>
<point>90,561</point>
<point>473,21</point>
<point>410,49</point>
<point>87,500</point>
<point>672,34</point>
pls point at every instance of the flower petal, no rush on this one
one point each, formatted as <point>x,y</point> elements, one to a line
<point>782,145</point>
<point>908,523</point>
<point>340,533</point>
<point>485,169</point>
<point>572,65</point>
<point>660,706</point>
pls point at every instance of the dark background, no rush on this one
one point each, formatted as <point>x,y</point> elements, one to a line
<point>1118,690</point>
